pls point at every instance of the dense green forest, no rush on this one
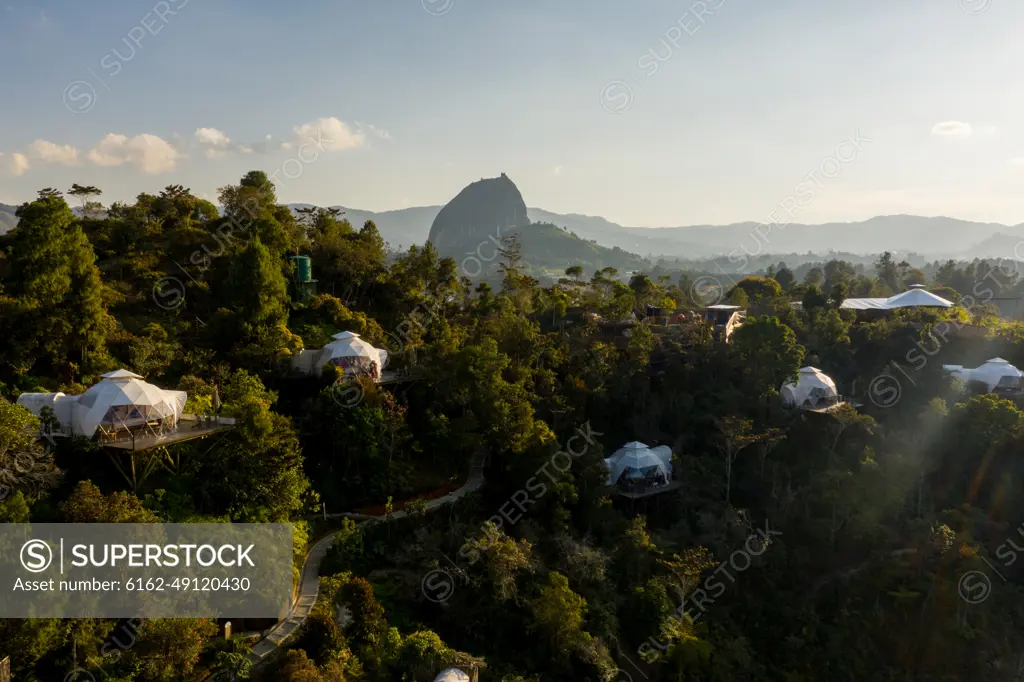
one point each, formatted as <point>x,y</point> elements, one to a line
<point>875,542</point>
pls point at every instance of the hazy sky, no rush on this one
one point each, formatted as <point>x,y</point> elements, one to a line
<point>643,112</point>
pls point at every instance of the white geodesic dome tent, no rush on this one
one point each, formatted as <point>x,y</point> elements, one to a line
<point>451,675</point>
<point>636,463</point>
<point>996,374</point>
<point>122,400</point>
<point>349,352</point>
<point>813,388</point>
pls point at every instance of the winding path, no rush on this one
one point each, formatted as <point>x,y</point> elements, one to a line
<point>309,582</point>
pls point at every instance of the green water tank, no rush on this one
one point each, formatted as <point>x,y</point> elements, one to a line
<point>304,272</point>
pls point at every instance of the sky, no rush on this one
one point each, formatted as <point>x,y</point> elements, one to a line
<point>656,113</point>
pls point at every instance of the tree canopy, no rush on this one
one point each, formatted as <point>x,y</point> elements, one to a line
<point>463,501</point>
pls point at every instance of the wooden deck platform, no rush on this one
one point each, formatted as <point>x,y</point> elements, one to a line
<point>831,408</point>
<point>186,430</point>
<point>647,492</point>
<point>390,377</point>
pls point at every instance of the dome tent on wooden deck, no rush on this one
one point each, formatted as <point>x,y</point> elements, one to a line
<point>128,416</point>
<point>348,351</point>
<point>452,675</point>
<point>635,462</point>
<point>121,400</point>
<point>813,389</point>
<point>997,374</point>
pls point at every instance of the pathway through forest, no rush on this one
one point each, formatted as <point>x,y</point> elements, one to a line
<point>309,582</point>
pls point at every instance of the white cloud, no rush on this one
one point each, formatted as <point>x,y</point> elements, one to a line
<point>372,130</point>
<point>212,137</point>
<point>331,134</point>
<point>151,154</point>
<point>19,163</point>
<point>105,153</point>
<point>327,133</point>
<point>213,141</point>
<point>952,129</point>
<point>44,150</point>
<point>557,170</point>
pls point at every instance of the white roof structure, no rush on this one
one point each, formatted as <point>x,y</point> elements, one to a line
<point>121,400</point>
<point>996,373</point>
<point>915,297</point>
<point>636,461</point>
<point>346,345</point>
<point>811,389</point>
<point>452,675</point>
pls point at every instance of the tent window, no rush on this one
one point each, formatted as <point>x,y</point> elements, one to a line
<point>1008,383</point>
<point>356,365</point>
<point>126,415</point>
<point>648,476</point>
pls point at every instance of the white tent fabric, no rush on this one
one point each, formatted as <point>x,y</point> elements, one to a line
<point>452,675</point>
<point>347,351</point>
<point>58,402</point>
<point>122,399</point>
<point>812,387</point>
<point>915,297</point>
<point>996,373</point>
<point>349,345</point>
<point>865,304</point>
<point>637,461</point>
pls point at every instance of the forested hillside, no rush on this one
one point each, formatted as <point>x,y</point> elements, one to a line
<point>874,541</point>
<point>7,219</point>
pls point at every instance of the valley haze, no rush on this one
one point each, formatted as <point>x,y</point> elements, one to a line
<point>926,236</point>
<point>933,237</point>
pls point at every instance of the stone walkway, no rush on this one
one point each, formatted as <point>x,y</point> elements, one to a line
<point>309,583</point>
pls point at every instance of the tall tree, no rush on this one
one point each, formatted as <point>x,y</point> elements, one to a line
<point>888,271</point>
<point>785,278</point>
<point>59,314</point>
<point>86,193</point>
<point>24,465</point>
<point>169,648</point>
<point>88,505</point>
<point>768,351</point>
<point>252,325</point>
<point>760,288</point>
<point>735,435</point>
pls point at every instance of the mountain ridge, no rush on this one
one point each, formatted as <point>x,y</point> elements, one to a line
<point>932,236</point>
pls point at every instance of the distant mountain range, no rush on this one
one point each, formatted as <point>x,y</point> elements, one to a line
<point>931,237</point>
